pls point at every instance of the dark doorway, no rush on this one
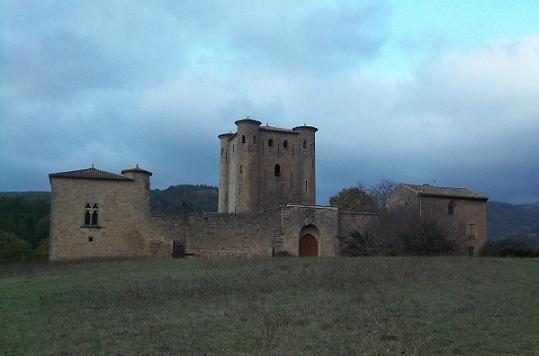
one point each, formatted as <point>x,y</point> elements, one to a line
<point>470,251</point>
<point>308,246</point>
<point>178,249</point>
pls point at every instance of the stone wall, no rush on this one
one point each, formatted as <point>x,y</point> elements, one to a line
<point>248,182</point>
<point>466,212</point>
<point>237,235</point>
<point>123,212</point>
<point>319,221</point>
<point>353,221</point>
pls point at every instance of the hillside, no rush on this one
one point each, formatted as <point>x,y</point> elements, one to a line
<point>508,221</point>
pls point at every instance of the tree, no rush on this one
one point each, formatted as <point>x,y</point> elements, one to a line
<point>353,199</point>
<point>13,249</point>
<point>381,192</point>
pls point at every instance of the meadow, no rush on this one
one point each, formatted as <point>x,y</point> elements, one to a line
<point>282,306</point>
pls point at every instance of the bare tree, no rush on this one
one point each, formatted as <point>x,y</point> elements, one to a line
<point>381,191</point>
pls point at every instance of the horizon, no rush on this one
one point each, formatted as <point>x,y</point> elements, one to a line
<point>443,93</point>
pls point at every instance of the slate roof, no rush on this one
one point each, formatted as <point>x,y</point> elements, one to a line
<point>89,173</point>
<point>443,192</point>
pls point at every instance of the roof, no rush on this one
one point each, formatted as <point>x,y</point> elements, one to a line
<point>90,173</point>
<point>136,169</point>
<point>443,192</point>
<point>278,129</point>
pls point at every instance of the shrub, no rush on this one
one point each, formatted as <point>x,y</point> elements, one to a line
<point>509,248</point>
<point>363,244</point>
<point>13,249</point>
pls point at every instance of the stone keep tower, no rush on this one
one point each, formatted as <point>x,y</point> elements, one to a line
<point>263,167</point>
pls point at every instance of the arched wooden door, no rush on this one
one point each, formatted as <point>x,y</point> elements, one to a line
<point>308,246</point>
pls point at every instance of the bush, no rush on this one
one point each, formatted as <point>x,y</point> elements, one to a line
<point>363,244</point>
<point>508,248</point>
<point>41,253</point>
<point>13,249</point>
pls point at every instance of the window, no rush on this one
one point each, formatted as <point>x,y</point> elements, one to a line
<point>95,215</point>
<point>232,148</point>
<point>87,214</point>
<point>254,139</point>
<point>470,231</point>
<point>304,144</point>
<point>242,138</point>
<point>306,186</point>
<point>451,208</point>
<point>91,215</point>
<point>270,142</point>
<point>277,170</point>
<point>285,144</point>
<point>241,169</point>
<point>222,151</point>
<point>90,238</point>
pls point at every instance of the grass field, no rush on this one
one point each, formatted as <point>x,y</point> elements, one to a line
<point>450,306</point>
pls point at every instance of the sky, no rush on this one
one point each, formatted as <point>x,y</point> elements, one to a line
<point>438,92</point>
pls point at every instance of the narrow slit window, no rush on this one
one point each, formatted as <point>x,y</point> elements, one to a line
<point>304,144</point>
<point>306,185</point>
<point>270,142</point>
<point>254,139</point>
<point>277,170</point>
<point>242,138</point>
<point>285,144</point>
<point>451,208</point>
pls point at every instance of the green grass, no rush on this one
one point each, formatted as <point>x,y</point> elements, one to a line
<point>447,306</point>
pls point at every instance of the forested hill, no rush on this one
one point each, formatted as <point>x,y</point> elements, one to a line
<point>515,222</point>
<point>26,213</point>
<point>192,198</point>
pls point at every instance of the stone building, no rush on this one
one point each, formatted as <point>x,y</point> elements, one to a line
<point>263,167</point>
<point>267,206</point>
<point>461,209</point>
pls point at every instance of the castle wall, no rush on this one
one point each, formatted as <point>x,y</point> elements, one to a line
<point>123,211</point>
<point>353,221</point>
<point>229,235</point>
<point>321,222</point>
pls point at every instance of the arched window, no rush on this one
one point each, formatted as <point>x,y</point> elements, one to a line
<point>277,170</point>
<point>242,138</point>
<point>304,144</point>
<point>285,144</point>
<point>95,215</point>
<point>87,214</point>
<point>451,208</point>
<point>270,142</point>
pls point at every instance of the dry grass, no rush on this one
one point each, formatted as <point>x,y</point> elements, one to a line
<point>279,306</point>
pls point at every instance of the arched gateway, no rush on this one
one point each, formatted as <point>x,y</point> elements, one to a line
<point>308,246</point>
<point>308,241</point>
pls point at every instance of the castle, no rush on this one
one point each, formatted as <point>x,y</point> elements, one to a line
<point>267,206</point>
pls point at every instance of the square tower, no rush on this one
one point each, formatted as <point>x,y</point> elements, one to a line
<point>264,167</point>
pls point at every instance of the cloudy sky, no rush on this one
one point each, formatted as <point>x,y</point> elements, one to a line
<point>413,91</point>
